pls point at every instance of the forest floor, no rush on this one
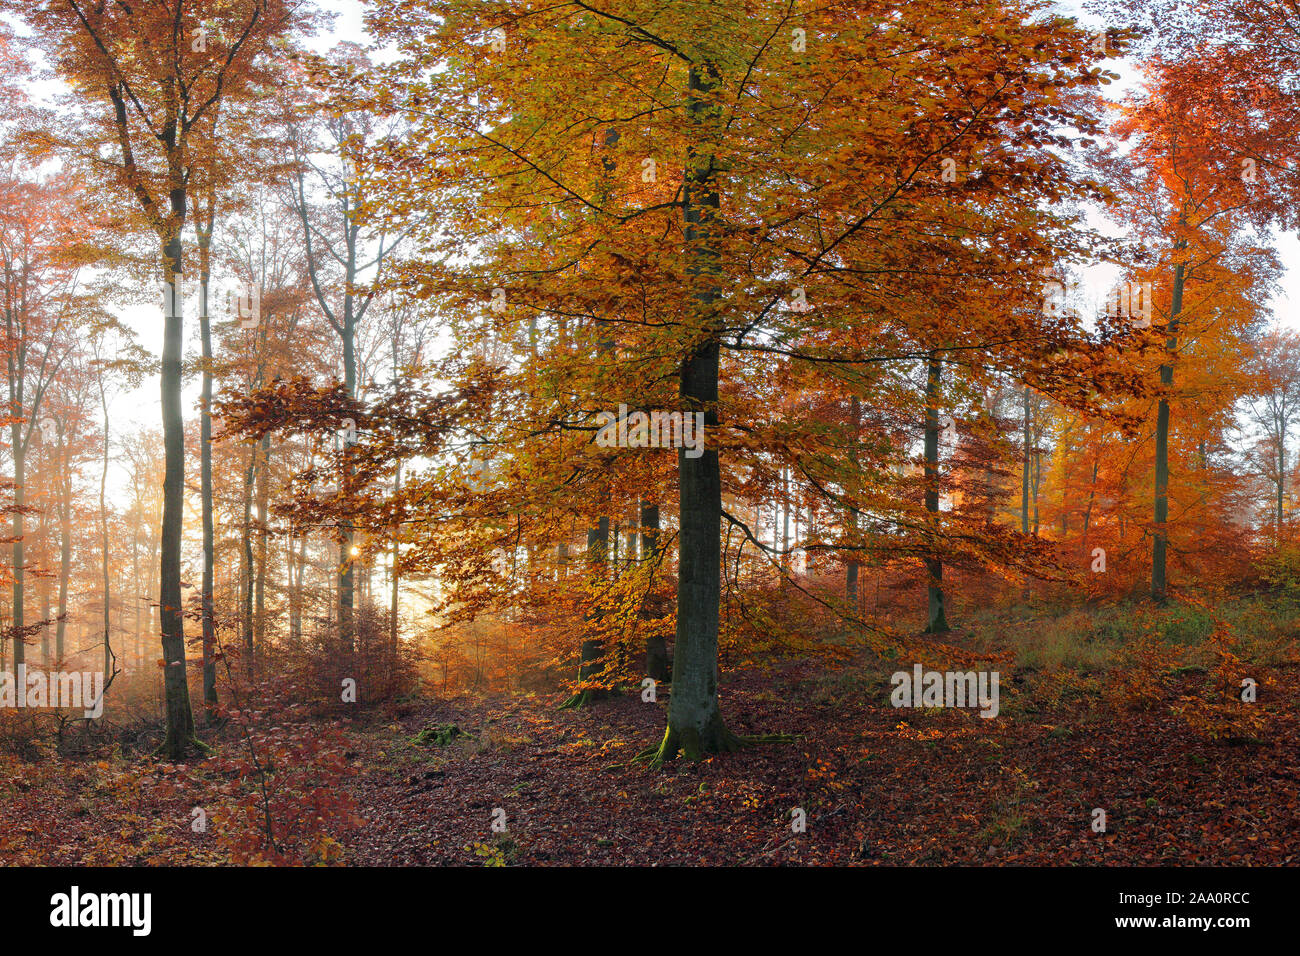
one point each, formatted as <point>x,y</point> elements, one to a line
<point>877,785</point>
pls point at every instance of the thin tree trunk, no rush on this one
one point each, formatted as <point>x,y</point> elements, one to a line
<point>656,647</point>
<point>1159,586</point>
<point>103,536</point>
<point>346,586</point>
<point>392,624</point>
<point>263,500</point>
<point>592,663</point>
<point>45,627</point>
<point>246,567</point>
<point>1024,483</point>
<point>65,547</point>
<point>785,516</point>
<point>205,486</point>
<point>851,571</point>
<point>1281,478</point>
<point>18,452</point>
<point>938,621</point>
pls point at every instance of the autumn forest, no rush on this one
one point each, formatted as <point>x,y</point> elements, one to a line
<point>640,432</point>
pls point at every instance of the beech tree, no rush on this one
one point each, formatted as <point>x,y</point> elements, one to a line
<point>1275,409</point>
<point>43,242</point>
<point>751,217</point>
<point>1192,203</point>
<point>144,77</point>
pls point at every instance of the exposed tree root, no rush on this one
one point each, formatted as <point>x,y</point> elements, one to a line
<point>694,745</point>
<point>193,746</point>
<point>585,698</point>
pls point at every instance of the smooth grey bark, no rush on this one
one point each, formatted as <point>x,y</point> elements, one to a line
<point>695,725</point>
<point>1160,546</point>
<point>65,542</point>
<point>393,644</point>
<point>1281,479</point>
<point>103,534</point>
<point>20,501</point>
<point>15,360</point>
<point>785,516</point>
<point>1024,484</point>
<point>180,718</point>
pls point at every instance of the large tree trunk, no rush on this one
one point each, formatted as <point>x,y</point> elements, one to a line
<point>1159,587</point>
<point>695,725</point>
<point>180,719</point>
<point>937,620</point>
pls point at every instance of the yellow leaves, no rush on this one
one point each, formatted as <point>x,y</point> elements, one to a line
<point>325,851</point>
<point>491,855</point>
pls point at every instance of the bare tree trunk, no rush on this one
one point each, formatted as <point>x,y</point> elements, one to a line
<point>103,536</point>
<point>1159,587</point>
<point>20,500</point>
<point>1024,484</point>
<point>1281,478</point>
<point>180,718</point>
<point>938,621</point>
<point>392,623</point>
<point>851,571</point>
<point>246,567</point>
<point>263,499</point>
<point>65,545</point>
<point>695,724</point>
<point>785,516</point>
